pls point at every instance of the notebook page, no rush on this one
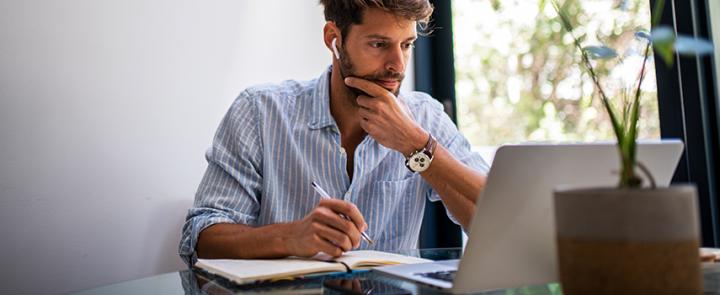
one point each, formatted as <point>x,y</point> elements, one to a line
<point>250,270</point>
<point>367,258</point>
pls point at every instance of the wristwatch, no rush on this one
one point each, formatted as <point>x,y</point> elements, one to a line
<point>420,160</point>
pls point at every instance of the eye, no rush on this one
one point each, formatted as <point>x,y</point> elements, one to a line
<point>408,45</point>
<point>377,44</point>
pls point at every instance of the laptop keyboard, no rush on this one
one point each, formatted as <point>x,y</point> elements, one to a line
<point>447,276</point>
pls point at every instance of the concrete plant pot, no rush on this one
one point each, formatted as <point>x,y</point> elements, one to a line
<point>628,241</point>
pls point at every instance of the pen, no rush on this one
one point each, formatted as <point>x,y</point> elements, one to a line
<point>325,195</point>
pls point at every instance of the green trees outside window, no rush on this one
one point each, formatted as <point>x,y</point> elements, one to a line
<point>517,77</point>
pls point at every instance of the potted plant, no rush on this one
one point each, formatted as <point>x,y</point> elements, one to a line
<point>629,239</point>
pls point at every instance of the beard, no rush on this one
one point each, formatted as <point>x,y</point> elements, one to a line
<point>347,69</point>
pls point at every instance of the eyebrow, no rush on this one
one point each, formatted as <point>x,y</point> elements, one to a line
<point>381,37</point>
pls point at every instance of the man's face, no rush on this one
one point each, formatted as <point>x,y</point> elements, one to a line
<point>378,49</point>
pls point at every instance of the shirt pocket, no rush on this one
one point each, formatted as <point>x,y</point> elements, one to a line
<point>394,211</point>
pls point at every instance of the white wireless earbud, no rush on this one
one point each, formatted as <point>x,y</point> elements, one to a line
<point>335,50</point>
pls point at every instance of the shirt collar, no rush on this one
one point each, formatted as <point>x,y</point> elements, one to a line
<point>321,116</point>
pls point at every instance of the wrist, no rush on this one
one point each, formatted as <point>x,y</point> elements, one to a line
<point>416,142</point>
<point>284,242</point>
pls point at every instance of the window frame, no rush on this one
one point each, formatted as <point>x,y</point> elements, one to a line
<point>435,74</point>
<point>688,106</point>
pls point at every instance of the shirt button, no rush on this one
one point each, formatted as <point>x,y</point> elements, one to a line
<point>342,151</point>
<point>347,195</point>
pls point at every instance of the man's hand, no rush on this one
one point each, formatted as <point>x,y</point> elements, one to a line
<point>324,230</point>
<point>385,119</point>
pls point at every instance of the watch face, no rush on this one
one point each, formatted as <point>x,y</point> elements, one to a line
<point>419,162</point>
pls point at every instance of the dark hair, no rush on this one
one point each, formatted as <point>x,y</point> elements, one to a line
<point>348,12</point>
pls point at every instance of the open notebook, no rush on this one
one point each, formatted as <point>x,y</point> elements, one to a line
<point>243,271</point>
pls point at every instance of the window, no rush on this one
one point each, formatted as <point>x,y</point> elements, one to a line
<point>518,75</point>
<point>506,74</point>
<point>688,103</point>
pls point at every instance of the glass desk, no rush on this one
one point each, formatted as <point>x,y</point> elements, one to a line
<point>198,282</point>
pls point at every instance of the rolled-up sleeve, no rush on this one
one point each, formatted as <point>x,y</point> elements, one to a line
<point>230,190</point>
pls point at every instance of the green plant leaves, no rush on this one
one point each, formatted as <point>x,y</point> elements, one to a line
<point>657,12</point>
<point>663,35</point>
<point>564,18</point>
<point>600,52</point>
<point>666,44</point>
<point>663,38</point>
<point>625,120</point>
<point>643,35</point>
<point>689,46</point>
<point>624,127</point>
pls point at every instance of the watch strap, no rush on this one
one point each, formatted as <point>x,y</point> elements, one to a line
<point>430,146</point>
<point>428,150</point>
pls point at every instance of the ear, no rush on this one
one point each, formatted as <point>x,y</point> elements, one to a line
<point>331,36</point>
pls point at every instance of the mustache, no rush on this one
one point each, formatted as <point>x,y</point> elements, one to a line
<point>386,75</point>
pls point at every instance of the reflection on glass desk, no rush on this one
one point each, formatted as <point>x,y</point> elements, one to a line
<point>198,282</point>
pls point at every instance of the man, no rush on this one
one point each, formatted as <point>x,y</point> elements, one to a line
<point>378,152</point>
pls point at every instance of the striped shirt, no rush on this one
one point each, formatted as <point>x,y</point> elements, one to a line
<point>276,139</point>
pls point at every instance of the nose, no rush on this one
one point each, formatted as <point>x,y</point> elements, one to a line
<point>396,59</point>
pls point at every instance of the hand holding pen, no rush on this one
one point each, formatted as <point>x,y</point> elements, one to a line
<point>327,196</point>
<point>323,230</point>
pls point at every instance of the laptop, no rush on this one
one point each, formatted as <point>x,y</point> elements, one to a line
<point>511,240</point>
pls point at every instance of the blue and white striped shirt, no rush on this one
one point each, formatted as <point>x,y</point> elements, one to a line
<point>276,139</point>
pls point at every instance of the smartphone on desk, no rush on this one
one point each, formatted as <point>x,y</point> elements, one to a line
<point>361,286</point>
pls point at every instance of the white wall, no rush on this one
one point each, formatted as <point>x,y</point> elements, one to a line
<point>106,109</point>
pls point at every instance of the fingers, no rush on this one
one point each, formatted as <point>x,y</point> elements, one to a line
<point>368,103</point>
<point>348,209</point>
<point>334,236</point>
<point>366,86</point>
<point>365,125</point>
<point>372,108</point>
<point>323,245</point>
<point>369,114</point>
<point>328,217</point>
<point>366,114</point>
<point>404,106</point>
